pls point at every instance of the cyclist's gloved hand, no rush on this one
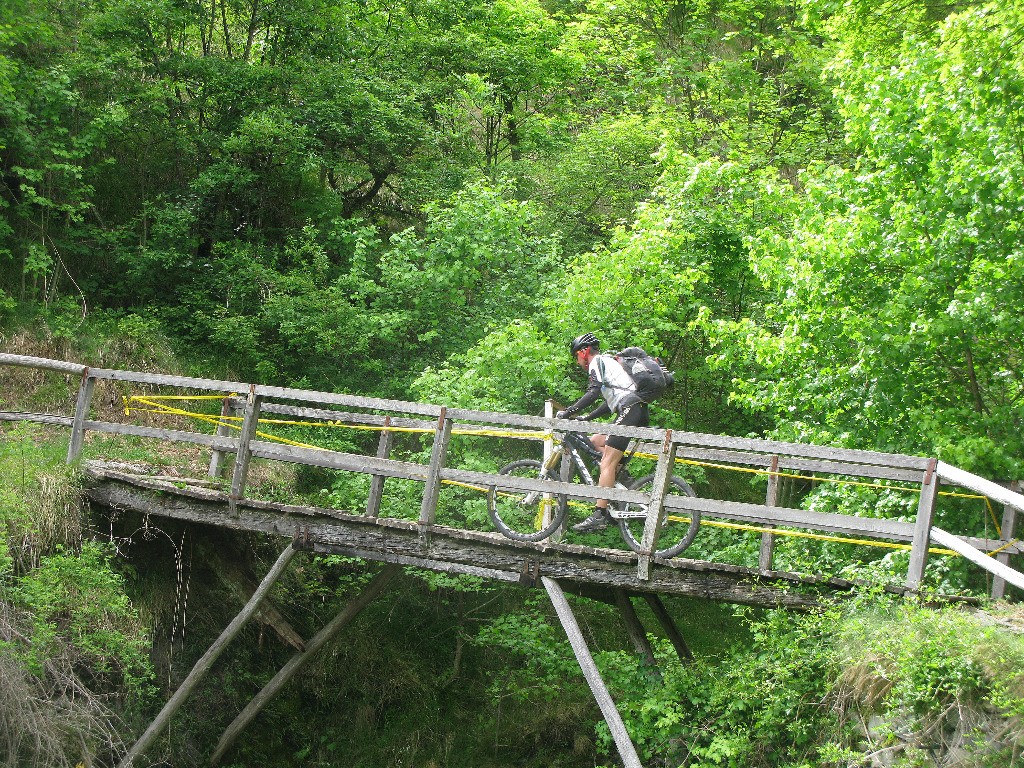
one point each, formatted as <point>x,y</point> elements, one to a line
<point>561,414</point>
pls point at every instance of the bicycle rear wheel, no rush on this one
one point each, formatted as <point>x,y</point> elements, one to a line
<point>520,514</point>
<point>677,532</point>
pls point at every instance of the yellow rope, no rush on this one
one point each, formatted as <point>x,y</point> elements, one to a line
<point>803,535</point>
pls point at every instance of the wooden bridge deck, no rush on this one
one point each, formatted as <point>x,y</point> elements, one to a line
<point>451,550</point>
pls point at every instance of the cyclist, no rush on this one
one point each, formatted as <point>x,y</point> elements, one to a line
<point>608,379</point>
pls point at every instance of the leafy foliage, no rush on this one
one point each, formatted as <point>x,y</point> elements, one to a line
<point>889,325</point>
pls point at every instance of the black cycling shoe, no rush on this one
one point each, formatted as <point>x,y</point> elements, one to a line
<point>598,521</point>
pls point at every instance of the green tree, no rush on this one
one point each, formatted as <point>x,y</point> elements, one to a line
<point>892,323</point>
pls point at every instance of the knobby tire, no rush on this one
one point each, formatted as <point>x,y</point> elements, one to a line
<point>681,533</point>
<point>515,516</point>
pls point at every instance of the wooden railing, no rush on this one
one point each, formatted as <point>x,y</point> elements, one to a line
<point>770,456</point>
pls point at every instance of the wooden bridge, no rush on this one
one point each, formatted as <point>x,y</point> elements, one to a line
<point>423,542</point>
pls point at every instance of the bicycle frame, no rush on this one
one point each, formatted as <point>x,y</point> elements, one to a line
<point>585,457</point>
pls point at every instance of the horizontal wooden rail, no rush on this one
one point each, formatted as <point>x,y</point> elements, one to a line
<point>41,363</point>
<point>37,418</point>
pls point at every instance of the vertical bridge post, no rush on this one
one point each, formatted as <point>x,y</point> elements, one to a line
<point>81,414</point>
<point>655,509</point>
<point>764,561</point>
<point>387,437</point>
<point>244,453</point>
<point>923,526</point>
<point>438,454</point>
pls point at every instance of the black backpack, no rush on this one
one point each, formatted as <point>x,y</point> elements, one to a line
<point>648,374</point>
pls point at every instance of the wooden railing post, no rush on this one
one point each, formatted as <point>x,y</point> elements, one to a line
<point>923,527</point>
<point>81,415</point>
<point>438,454</point>
<point>764,562</point>
<point>549,447</point>
<point>223,430</point>
<point>243,455</point>
<point>652,526</point>
<point>387,437</point>
<point>1006,534</point>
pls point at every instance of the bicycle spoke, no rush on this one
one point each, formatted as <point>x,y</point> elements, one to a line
<point>524,515</point>
<point>677,530</point>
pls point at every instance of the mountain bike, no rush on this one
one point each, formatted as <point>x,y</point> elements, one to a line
<point>534,515</point>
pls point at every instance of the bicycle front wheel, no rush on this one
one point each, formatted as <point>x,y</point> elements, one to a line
<point>677,532</point>
<point>525,515</point>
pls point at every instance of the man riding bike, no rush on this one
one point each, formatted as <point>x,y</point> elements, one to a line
<point>608,379</point>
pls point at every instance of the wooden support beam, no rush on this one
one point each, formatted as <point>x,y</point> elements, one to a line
<point>376,586</point>
<point>627,752</point>
<point>81,415</point>
<point>634,628</point>
<point>203,665</point>
<point>250,422</point>
<point>223,430</point>
<point>669,625</point>
<point>923,527</point>
<point>387,438</point>
<point>656,506</point>
<point>764,560</point>
<point>438,454</point>
<point>948,540</point>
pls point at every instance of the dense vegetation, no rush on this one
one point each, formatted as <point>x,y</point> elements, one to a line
<point>811,210</point>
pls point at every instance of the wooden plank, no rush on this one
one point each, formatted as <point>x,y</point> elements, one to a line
<point>438,455</point>
<point>167,380</point>
<point>243,454</point>
<point>922,528</point>
<point>634,628</point>
<point>82,405</point>
<point>669,625</point>
<point>764,461</point>
<point>991,545</point>
<point>377,420</point>
<point>38,418</point>
<point>377,483</point>
<point>229,444</point>
<point>764,558</point>
<point>627,752</point>
<point>227,410</point>
<point>847,455</point>
<point>203,665</point>
<point>25,361</point>
<point>350,462</point>
<point>990,564</point>
<point>757,514</point>
<point>417,562</point>
<point>980,485</point>
<point>353,462</point>
<point>652,525</point>
<point>377,585</point>
<point>456,550</point>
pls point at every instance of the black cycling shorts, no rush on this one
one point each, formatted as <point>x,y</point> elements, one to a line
<point>638,415</point>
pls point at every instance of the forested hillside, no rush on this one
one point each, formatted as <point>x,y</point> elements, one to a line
<point>811,211</point>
